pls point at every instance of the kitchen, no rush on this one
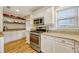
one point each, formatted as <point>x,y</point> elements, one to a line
<point>39,29</point>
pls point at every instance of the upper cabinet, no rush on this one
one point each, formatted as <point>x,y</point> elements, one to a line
<point>78,17</point>
<point>49,16</point>
<point>67,17</point>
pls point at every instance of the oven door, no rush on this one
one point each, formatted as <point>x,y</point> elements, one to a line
<point>35,40</point>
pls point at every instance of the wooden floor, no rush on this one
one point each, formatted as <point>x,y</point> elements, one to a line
<point>19,46</point>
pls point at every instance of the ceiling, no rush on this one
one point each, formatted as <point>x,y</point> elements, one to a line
<point>21,11</point>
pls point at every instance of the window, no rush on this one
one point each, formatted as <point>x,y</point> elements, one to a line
<point>66,18</point>
<point>66,22</point>
<point>66,13</point>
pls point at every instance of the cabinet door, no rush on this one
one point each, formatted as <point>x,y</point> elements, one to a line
<point>78,17</point>
<point>60,48</point>
<point>46,44</point>
<point>1,45</point>
<point>7,37</point>
<point>48,16</point>
<point>76,47</point>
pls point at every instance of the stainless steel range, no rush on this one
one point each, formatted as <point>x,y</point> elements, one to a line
<point>35,39</point>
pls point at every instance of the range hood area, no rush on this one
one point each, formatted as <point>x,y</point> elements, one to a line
<point>39,29</point>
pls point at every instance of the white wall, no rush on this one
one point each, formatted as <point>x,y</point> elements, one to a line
<point>1,19</point>
<point>28,37</point>
<point>29,25</point>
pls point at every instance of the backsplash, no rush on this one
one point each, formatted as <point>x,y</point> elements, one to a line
<point>68,31</point>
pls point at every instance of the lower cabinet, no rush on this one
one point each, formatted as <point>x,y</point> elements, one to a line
<point>47,44</point>
<point>63,45</point>
<point>1,45</point>
<point>50,44</point>
<point>76,47</point>
<point>60,48</point>
<point>13,35</point>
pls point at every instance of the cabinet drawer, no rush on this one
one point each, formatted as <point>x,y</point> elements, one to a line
<point>65,41</point>
<point>63,48</point>
<point>44,36</point>
<point>77,44</point>
<point>47,37</point>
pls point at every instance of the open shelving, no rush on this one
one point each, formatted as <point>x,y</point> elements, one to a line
<point>11,20</point>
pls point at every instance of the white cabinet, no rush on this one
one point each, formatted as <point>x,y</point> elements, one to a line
<point>63,45</point>
<point>48,16</point>
<point>7,37</point>
<point>76,47</point>
<point>78,17</point>
<point>1,45</point>
<point>13,35</point>
<point>47,44</point>
<point>60,48</point>
<point>50,44</point>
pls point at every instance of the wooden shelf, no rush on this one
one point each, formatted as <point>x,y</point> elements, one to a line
<point>15,17</point>
<point>12,22</point>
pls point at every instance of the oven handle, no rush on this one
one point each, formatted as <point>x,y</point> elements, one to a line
<point>34,35</point>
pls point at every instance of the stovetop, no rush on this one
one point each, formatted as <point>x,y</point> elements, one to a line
<point>38,31</point>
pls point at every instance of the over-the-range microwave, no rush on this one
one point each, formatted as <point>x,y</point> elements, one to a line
<point>39,21</point>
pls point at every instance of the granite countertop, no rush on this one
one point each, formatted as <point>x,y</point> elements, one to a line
<point>1,34</point>
<point>63,35</point>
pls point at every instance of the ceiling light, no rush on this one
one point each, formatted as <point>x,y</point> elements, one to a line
<point>17,10</point>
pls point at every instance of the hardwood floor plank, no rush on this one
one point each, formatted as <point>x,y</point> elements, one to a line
<point>19,46</point>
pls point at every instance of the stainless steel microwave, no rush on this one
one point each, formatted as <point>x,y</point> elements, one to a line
<point>39,21</point>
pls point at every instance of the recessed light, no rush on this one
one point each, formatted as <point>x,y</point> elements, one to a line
<point>17,10</point>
